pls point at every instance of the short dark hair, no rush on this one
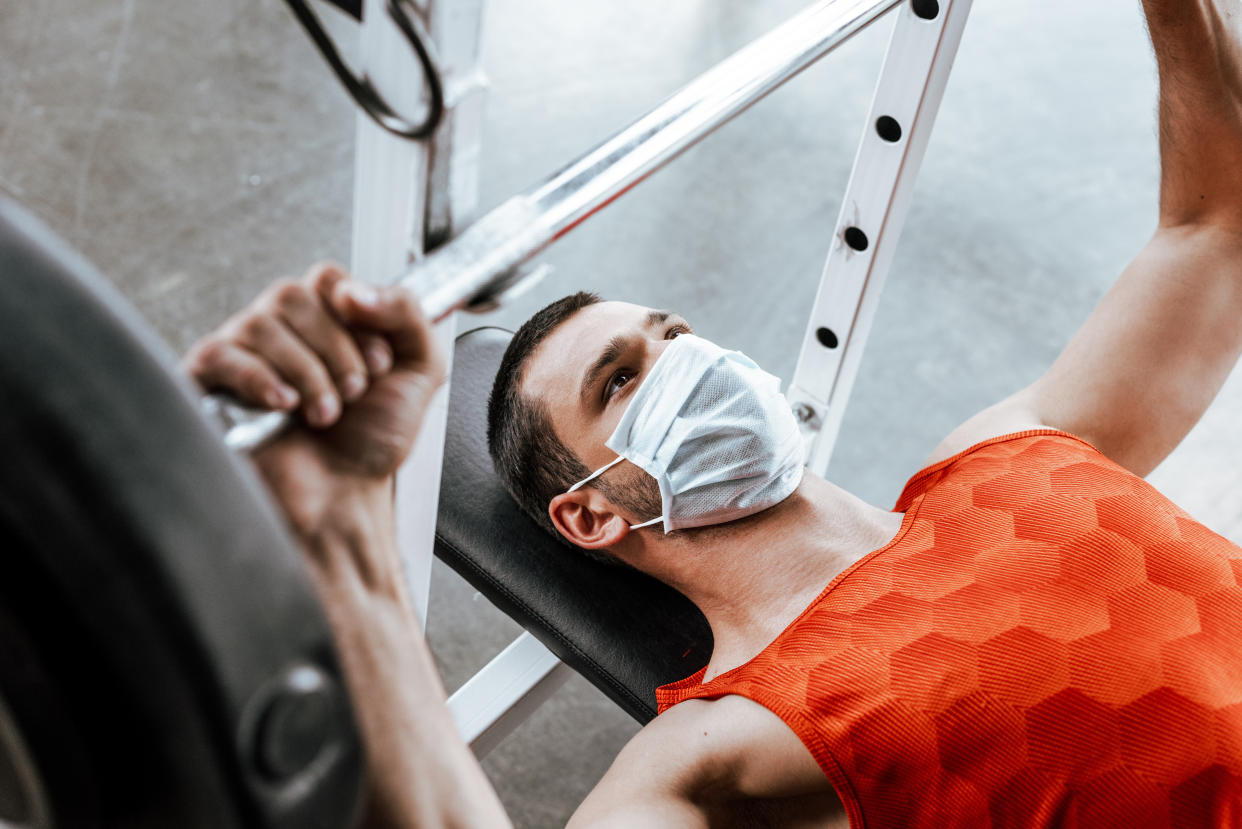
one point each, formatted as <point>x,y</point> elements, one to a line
<point>530,458</point>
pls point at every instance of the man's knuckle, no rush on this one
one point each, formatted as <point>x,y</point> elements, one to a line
<point>197,360</point>
<point>253,328</point>
<point>212,360</point>
<point>286,289</point>
<point>209,355</point>
<point>324,272</point>
<point>285,295</point>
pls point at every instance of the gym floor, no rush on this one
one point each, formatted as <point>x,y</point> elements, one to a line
<point>195,151</point>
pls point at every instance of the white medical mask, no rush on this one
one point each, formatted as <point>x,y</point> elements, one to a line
<point>714,431</point>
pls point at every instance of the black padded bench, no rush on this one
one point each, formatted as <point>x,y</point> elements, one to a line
<point>623,630</point>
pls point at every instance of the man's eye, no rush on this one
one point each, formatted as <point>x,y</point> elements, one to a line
<point>676,331</point>
<point>616,382</point>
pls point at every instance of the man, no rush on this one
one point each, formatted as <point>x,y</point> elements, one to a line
<point>1034,636</point>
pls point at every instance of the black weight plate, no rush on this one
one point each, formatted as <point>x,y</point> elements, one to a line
<point>151,603</point>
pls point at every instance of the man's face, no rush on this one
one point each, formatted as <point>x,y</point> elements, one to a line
<point>588,369</point>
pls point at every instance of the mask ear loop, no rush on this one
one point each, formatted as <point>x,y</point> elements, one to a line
<point>596,474</point>
<point>601,471</point>
<point>655,520</point>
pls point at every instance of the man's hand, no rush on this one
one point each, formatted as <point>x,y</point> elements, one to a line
<point>356,363</point>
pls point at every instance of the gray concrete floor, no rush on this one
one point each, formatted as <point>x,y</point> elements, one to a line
<point>196,150</point>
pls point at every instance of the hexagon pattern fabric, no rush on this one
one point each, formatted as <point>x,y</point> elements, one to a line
<point>1048,641</point>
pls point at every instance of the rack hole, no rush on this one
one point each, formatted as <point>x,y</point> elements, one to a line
<point>926,9</point>
<point>888,128</point>
<point>826,338</point>
<point>856,239</point>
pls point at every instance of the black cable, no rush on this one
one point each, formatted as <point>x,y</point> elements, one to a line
<point>362,90</point>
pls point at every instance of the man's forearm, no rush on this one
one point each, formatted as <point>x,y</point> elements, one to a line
<point>421,772</point>
<point>1200,66</point>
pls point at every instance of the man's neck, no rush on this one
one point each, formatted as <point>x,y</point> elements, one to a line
<point>751,578</point>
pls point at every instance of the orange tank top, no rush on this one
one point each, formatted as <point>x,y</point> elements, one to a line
<point>1048,641</point>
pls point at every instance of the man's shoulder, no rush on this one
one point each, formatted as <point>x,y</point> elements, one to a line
<point>1014,414</point>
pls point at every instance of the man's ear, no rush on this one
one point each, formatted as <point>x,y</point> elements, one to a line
<point>583,518</point>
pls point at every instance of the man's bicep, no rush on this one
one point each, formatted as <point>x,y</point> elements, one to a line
<point>1153,354</point>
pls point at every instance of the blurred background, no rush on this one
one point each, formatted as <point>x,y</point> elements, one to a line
<point>196,151</point>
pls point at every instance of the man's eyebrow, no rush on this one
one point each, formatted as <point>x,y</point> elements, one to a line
<point>660,317</point>
<point>611,353</point>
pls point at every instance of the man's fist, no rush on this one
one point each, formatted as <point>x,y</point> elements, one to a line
<point>356,362</point>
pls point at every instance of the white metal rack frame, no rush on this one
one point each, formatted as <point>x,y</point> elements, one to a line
<point>410,197</point>
<point>907,98</point>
